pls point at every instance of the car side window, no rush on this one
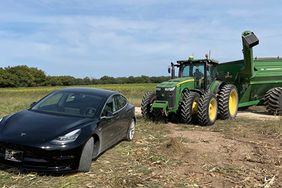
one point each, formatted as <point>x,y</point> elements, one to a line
<point>109,107</point>
<point>71,98</point>
<point>119,101</point>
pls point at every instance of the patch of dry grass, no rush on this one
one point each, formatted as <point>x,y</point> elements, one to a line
<point>156,159</point>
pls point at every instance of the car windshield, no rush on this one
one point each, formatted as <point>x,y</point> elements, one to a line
<point>70,103</point>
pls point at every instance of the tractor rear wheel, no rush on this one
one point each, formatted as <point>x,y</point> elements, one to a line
<point>228,102</point>
<point>188,106</point>
<point>146,103</point>
<point>207,109</point>
<point>273,101</point>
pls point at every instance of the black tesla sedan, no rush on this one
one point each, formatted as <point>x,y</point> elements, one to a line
<point>66,129</point>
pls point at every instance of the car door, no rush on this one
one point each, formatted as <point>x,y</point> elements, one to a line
<point>120,104</point>
<point>108,125</point>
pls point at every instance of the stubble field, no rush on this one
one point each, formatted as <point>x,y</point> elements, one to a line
<point>245,152</point>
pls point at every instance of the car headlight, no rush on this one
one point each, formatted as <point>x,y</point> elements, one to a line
<point>169,89</point>
<point>158,89</point>
<point>1,119</point>
<point>67,138</point>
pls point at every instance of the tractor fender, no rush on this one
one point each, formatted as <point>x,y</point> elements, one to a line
<point>201,92</point>
<point>194,90</point>
<point>184,90</point>
<point>216,86</point>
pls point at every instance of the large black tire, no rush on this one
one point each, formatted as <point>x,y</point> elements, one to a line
<point>207,109</point>
<point>188,107</point>
<point>131,130</point>
<point>228,102</point>
<point>146,103</point>
<point>273,101</point>
<point>86,156</point>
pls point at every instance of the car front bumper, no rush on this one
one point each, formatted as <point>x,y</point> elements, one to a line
<point>37,159</point>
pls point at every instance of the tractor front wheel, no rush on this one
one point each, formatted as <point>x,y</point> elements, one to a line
<point>207,109</point>
<point>146,103</point>
<point>273,101</point>
<point>228,102</point>
<point>188,106</point>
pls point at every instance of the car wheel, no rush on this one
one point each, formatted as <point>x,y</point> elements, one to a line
<point>131,130</point>
<point>86,156</point>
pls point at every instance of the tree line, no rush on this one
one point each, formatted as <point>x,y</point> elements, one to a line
<point>24,76</point>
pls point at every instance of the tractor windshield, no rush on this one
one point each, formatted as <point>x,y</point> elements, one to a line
<point>192,70</point>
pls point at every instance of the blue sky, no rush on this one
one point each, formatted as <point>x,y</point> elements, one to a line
<point>125,37</point>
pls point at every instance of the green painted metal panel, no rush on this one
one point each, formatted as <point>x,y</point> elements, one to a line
<point>175,82</point>
<point>249,103</point>
<point>160,104</point>
<point>214,86</point>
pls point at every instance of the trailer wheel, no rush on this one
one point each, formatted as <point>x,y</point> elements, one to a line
<point>273,101</point>
<point>188,106</point>
<point>228,102</point>
<point>207,109</point>
<point>146,103</point>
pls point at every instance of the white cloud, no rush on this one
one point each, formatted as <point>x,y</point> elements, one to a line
<point>82,44</point>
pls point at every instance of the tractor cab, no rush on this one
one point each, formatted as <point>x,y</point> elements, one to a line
<point>202,70</point>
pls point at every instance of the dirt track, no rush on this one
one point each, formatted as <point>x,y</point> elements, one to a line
<point>241,154</point>
<point>252,114</point>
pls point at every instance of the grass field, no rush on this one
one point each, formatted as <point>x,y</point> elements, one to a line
<point>233,153</point>
<point>15,99</point>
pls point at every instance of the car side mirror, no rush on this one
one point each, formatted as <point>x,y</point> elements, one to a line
<point>168,70</point>
<point>32,104</point>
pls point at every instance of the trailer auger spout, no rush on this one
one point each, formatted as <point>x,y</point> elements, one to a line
<point>249,40</point>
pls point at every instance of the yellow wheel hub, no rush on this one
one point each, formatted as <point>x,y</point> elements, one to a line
<point>233,103</point>
<point>195,106</point>
<point>212,109</point>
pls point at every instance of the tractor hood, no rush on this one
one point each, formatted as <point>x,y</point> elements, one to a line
<point>175,82</point>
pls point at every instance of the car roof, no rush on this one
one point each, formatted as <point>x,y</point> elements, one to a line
<point>100,92</point>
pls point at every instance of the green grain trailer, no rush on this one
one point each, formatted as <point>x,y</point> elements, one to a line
<point>205,90</point>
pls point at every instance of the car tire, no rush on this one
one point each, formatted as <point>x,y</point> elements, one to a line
<point>86,156</point>
<point>131,130</point>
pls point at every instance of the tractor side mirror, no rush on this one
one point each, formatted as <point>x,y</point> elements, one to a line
<point>172,70</point>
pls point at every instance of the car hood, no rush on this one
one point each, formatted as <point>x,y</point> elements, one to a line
<point>35,128</point>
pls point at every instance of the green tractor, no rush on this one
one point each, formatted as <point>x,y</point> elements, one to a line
<point>205,90</point>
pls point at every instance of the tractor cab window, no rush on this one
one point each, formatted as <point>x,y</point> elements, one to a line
<point>198,71</point>
<point>198,74</point>
<point>193,70</point>
<point>186,71</point>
